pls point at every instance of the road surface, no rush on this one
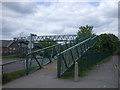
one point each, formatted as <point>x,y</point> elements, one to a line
<point>12,65</point>
<point>104,76</point>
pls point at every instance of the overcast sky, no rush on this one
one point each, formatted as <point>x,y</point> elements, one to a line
<point>51,18</point>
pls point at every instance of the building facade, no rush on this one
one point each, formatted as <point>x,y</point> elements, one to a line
<point>9,47</point>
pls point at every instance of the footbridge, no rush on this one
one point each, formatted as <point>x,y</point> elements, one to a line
<point>65,54</point>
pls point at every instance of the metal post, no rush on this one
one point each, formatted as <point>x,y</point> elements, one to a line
<point>29,58</point>
<point>59,66</point>
<point>30,44</point>
<point>76,72</point>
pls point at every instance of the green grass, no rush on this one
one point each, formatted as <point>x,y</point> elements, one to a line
<point>13,56</point>
<point>14,75</point>
<point>86,71</point>
<point>69,74</point>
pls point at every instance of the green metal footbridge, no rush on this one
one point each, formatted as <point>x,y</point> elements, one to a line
<point>66,53</point>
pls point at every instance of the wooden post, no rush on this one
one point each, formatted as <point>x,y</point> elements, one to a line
<point>76,72</point>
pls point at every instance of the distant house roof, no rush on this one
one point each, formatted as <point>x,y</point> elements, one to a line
<point>7,43</point>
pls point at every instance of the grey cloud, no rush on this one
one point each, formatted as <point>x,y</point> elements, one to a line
<point>119,9</point>
<point>23,8</point>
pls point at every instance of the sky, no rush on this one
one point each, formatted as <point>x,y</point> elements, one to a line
<point>57,18</point>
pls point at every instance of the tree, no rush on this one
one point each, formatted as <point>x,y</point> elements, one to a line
<point>85,31</point>
<point>108,43</point>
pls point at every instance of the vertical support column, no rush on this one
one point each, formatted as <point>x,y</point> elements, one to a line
<point>59,66</point>
<point>81,66</point>
<point>29,57</point>
<point>76,72</point>
<point>30,44</point>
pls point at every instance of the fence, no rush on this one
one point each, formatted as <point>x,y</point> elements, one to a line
<point>39,58</point>
<point>90,58</point>
<point>68,57</point>
<point>12,66</point>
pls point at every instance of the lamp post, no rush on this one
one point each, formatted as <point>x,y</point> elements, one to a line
<point>30,44</point>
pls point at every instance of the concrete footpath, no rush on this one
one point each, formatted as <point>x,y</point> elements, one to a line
<point>104,76</point>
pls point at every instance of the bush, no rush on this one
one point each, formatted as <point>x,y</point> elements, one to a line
<point>107,43</point>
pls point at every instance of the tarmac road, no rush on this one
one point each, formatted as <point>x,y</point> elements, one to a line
<point>12,65</point>
<point>104,76</point>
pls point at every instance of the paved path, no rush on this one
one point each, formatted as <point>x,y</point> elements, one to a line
<point>104,76</point>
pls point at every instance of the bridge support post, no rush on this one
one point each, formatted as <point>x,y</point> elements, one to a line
<point>59,67</point>
<point>76,72</point>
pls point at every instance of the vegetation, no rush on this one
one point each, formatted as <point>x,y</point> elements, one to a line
<point>84,70</point>
<point>85,31</point>
<point>107,43</point>
<point>13,56</point>
<point>13,75</point>
<point>46,43</point>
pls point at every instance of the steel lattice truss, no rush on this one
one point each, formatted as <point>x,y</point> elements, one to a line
<point>47,38</point>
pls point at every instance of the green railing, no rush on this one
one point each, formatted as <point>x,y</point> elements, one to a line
<point>90,58</point>
<point>39,58</point>
<point>69,56</point>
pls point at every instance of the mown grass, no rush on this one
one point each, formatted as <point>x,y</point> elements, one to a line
<point>69,74</point>
<point>13,56</point>
<point>14,75</point>
<point>11,76</point>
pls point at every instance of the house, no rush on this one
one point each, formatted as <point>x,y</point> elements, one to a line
<point>9,47</point>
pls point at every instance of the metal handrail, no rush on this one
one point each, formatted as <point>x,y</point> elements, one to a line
<point>74,46</point>
<point>75,55</point>
<point>43,49</point>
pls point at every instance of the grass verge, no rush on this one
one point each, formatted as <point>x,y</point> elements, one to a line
<point>14,75</point>
<point>13,56</point>
<point>69,74</point>
<point>11,76</point>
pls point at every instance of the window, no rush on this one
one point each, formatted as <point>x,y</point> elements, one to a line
<point>13,49</point>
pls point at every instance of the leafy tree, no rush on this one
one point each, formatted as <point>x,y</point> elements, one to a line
<point>107,43</point>
<point>85,31</point>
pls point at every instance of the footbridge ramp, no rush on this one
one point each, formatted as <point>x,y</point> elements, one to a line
<point>61,56</point>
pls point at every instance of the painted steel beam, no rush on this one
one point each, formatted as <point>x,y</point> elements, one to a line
<point>47,38</point>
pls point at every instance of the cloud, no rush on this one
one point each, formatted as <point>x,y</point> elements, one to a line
<point>20,7</point>
<point>58,18</point>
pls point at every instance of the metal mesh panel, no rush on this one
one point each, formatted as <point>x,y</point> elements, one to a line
<point>75,54</point>
<point>63,67</point>
<point>72,54</point>
<point>68,58</point>
<point>41,57</point>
